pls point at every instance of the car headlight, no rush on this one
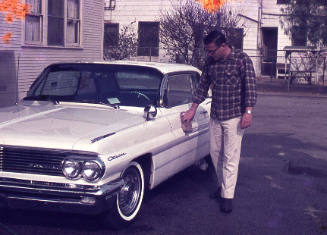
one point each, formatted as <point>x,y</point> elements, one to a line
<point>72,168</point>
<point>92,170</point>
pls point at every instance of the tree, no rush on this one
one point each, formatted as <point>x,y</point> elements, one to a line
<point>183,29</point>
<point>125,45</point>
<point>306,21</point>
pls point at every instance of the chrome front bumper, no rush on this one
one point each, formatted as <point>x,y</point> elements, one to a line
<point>24,194</point>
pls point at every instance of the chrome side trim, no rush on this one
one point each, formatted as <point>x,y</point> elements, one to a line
<point>180,140</point>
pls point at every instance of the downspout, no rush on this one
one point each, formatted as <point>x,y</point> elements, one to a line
<point>17,80</point>
<point>259,38</point>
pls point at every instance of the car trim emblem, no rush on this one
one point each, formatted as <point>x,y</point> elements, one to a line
<point>96,139</point>
<point>110,158</point>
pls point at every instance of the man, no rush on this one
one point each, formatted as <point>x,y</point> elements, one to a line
<point>231,75</point>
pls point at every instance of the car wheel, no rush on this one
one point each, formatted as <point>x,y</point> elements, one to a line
<point>129,198</point>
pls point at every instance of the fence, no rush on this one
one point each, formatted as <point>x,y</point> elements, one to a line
<point>304,66</point>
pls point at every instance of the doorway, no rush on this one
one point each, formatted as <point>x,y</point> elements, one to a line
<point>269,43</point>
<point>8,78</point>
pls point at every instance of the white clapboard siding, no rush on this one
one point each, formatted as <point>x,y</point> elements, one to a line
<point>33,59</point>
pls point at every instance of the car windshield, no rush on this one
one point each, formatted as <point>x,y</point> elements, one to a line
<point>98,83</point>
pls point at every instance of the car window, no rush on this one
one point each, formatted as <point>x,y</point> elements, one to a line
<point>61,83</point>
<point>98,83</point>
<point>179,89</point>
<point>137,80</point>
<point>195,81</point>
<point>86,89</point>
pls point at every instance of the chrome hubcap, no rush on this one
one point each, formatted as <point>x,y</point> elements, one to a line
<point>130,193</point>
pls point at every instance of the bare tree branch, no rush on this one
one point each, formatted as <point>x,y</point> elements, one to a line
<point>183,29</point>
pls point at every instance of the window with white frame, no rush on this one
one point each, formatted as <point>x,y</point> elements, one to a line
<point>62,23</point>
<point>34,22</point>
<point>109,4</point>
<point>73,21</point>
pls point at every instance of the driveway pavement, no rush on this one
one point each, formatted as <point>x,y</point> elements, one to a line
<point>289,136</point>
<point>297,94</point>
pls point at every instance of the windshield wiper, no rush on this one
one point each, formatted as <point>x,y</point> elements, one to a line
<point>41,98</point>
<point>37,97</point>
<point>115,106</point>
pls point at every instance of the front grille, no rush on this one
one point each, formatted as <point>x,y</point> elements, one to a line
<point>33,160</point>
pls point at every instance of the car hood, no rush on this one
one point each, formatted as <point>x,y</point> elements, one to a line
<point>44,124</point>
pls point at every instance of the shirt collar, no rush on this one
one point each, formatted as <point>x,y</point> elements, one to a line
<point>231,55</point>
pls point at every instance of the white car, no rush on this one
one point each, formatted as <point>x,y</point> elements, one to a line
<point>91,137</point>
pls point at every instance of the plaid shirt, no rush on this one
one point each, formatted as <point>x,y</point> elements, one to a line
<point>233,85</point>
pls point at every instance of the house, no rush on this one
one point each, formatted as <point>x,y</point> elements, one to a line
<point>51,31</point>
<point>264,36</point>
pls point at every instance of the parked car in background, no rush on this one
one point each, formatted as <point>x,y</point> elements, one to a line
<point>91,137</point>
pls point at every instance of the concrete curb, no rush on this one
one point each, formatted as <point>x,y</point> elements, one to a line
<point>281,88</point>
<point>291,94</point>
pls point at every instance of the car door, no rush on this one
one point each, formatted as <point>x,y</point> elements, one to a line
<point>177,98</point>
<point>201,121</point>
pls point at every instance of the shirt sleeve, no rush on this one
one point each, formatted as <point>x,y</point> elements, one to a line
<point>201,92</point>
<point>249,83</point>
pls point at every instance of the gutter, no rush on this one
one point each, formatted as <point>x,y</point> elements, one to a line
<point>248,18</point>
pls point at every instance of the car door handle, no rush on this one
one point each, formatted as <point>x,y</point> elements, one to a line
<point>204,112</point>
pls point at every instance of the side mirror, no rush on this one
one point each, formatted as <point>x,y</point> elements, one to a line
<point>150,112</point>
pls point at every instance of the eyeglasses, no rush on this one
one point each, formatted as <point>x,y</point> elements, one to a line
<point>212,51</point>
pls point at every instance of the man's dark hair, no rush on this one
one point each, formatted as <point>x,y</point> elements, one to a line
<point>215,36</point>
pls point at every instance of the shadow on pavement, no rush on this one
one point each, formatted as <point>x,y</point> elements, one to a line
<point>284,147</point>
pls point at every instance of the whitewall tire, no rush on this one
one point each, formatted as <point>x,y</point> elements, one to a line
<point>129,198</point>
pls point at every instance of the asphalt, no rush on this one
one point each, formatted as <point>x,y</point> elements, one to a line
<point>280,87</point>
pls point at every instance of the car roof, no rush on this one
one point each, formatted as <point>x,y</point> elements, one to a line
<point>160,66</point>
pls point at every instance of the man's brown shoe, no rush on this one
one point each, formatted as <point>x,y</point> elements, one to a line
<point>226,205</point>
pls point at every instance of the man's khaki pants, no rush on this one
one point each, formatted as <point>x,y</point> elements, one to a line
<point>225,149</point>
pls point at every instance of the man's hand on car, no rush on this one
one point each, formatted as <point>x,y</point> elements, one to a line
<point>189,114</point>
